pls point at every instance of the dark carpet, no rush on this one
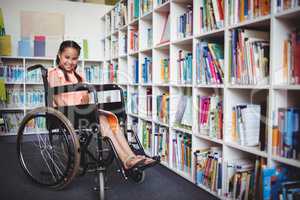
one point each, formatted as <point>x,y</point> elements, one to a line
<point>160,184</point>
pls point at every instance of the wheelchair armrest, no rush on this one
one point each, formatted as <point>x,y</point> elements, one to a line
<point>74,88</point>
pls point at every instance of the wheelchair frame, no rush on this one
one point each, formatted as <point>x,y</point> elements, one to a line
<point>59,119</point>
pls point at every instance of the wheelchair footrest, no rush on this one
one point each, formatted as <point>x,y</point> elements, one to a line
<point>145,166</point>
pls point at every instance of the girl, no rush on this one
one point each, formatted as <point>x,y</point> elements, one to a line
<point>64,74</point>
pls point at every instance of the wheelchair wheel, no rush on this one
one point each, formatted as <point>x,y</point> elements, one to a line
<point>48,149</point>
<point>137,176</point>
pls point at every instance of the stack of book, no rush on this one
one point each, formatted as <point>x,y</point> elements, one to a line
<point>185,23</point>
<point>210,116</point>
<point>163,108</point>
<point>147,70</point>
<point>211,15</point>
<point>208,168</point>
<point>240,11</point>
<point>16,98</point>
<point>12,121</point>
<point>182,151</point>
<point>183,116</point>
<point>113,72</point>
<point>93,74</point>
<point>12,73</point>
<point>245,128</point>
<point>35,97</point>
<point>161,143</point>
<point>243,179</point>
<point>134,40</point>
<point>291,60</point>
<point>185,67</point>
<point>165,70</point>
<point>119,15</point>
<point>147,135</point>
<point>134,7</point>
<point>209,63</point>
<point>149,102</point>
<point>286,137</point>
<point>286,4</point>
<point>146,6</point>
<point>249,57</point>
<point>135,71</point>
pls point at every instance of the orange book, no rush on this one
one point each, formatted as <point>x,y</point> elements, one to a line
<point>285,60</point>
<point>233,126</point>
<point>242,10</point>
<point>275,140</point>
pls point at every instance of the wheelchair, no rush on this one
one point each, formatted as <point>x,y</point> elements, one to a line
<point>54,145</point>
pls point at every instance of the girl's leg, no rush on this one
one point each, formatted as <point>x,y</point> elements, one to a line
<point>128,158</point>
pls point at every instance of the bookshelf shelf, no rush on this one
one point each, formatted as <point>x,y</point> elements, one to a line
<point>12,109</point>
<point>205,137</point>
<point>170,53</point>
<point>292,13</point>
<point>287,161</point>
<point>254,23</point>
<point>163,7</point>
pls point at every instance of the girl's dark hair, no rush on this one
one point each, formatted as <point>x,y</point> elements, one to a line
<point>68,44</point>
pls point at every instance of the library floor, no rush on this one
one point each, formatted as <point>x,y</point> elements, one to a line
<point>160,184</point>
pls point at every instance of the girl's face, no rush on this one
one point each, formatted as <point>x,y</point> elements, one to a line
<point>68,59</point>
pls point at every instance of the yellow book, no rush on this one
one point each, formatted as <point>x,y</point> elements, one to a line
<point>233,126</point>
<point>5,45</point>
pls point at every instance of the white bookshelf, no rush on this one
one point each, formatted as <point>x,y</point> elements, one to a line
<point>25,86</point>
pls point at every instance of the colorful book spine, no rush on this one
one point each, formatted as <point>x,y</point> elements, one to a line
<point>165,70</point>
<point>182,151</point>
<point>35,97</point>
<point>12,73</point>
<point>209,63</point>
<point>94,74</point>
<point>185,23</point>
<point>12,122</point>
<point>210,116</point>
<point>211,15</point>
<point>185,67</point>
<point>146,6</point>
<point>147,136</point>
<point>134,41</point>
<point>161,143</point>
<point>135,71</point>
<point>282,5</point>
<point>147,70</point>
<point>163,108</point>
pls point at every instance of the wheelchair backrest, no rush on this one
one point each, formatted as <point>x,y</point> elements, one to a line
<point>107,97</point>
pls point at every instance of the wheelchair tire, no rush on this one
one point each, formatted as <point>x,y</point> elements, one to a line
<point>137,176</point>
<point>49,158</point>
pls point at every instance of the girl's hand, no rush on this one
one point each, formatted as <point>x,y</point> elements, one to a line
<point>85,98</point>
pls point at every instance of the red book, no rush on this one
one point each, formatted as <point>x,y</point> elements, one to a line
<point>220,9</point>
<point>40,38</point>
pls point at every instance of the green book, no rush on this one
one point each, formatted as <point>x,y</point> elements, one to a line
<point>85,49</point>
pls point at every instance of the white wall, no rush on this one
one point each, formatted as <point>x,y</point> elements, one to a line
<point>81,19</point>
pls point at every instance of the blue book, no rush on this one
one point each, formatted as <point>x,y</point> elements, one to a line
<point>267,173</point>
<point>24,47</point>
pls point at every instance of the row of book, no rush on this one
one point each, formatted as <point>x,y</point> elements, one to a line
<point>147,70</point>
<point>210,116</point>
<point>15,98</point>
<point>161,143</point>
<point>147,135</point>
<point>185,67</point>
<point>114,48</point>
<point>35,97</point>
<point>146,6</point>
<point>93,74</point>
<point>245,128</point>
<point>165,70</point>
<point>286,4</point>
<point>208,168</point>
<point>134,9</point>
<point>291,60</point>
<point>149,102</point>
<point>119,16</point>
<point>249,57</point>
<point>12,73</point>
<point>123,44</point>
<point>243,178</point>
<point>286,136</point>
<point>133,40</point>
<point>11,122</point>
<point>211,15</point>
<point>163,107</point>
<point>135,71</point>
<point>183,116</point>
<point>240,11</point>
<point>113,72</point>
<point>182,152</point>
<point>209,63</point>
<point>185,23</point>
<point>37,124</point>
